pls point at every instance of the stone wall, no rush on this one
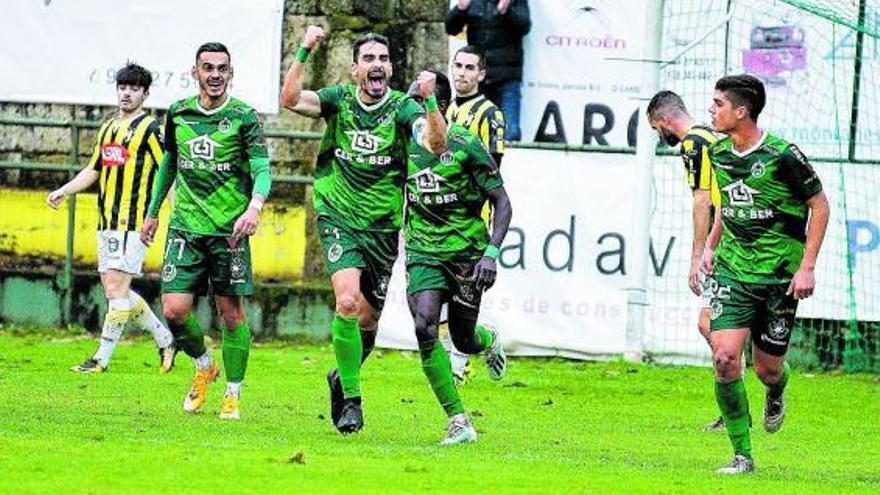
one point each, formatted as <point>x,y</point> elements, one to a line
<point>418,37</point>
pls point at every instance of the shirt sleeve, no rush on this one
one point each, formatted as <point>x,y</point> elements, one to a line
<point>482,167</point>
<point>167,168</point>
<point>408,113</point>
<point>518,17</point>
<point>799,174</point>
<point>330,98</point>
<point>251,132</point>
<point>95,161</point>
<point>155,141</point>
<point>170,137</point>
<point>456,19</point>
<point>494,120</point>
<point>695,153</point>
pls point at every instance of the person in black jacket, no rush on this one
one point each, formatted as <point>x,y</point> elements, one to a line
<point>497,27</point>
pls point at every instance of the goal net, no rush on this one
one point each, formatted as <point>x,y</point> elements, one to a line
<point>819,62</point>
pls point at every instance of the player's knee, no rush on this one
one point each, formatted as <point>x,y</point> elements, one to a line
<point>426,328</point>
<point>115,292</point>
<point>727,364</point>
<point>175,313</point>
<point>114,288</point>
<point>768,374</point>
<point>368,322</point>
<point>347,305</point>
<point>232,319</point>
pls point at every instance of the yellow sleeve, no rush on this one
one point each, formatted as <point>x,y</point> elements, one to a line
<point>95,160</point>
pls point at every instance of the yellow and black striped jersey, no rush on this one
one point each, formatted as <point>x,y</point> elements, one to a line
<point>698,166</point>
<point>127,154</point>
<point>482,119</point>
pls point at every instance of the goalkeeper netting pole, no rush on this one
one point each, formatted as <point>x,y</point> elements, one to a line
<point>646,144</point>
<point>854,356</point>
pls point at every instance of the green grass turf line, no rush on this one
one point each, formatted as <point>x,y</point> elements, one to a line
<point>551,426</point>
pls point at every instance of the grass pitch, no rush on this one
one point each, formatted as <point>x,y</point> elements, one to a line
<point>551,427</point>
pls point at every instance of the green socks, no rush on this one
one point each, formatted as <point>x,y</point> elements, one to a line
<point>775,390</point>
<point>734,405</point>
<point>348,348</point>
<point>189,336</point>
<point>435,364</point>
<point>236,348</point>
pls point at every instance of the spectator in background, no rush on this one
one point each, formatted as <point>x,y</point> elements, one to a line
<point>497,27</point>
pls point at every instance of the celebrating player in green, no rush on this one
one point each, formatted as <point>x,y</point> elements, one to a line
<point>358,195</point>
<point>450,257</point>
<point>773,213</point>
<point>216,158</point>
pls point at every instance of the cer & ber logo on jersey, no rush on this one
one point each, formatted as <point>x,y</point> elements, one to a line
<point>427,181</point>
<point>364,141</point>
<point>740,194</point>
<point>202,147</point>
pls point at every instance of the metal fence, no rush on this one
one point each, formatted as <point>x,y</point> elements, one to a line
<point>73,165</point>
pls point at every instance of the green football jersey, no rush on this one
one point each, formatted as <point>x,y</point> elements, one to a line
<point>445,198</point>
<point>212,149</point>
<point>763,209</point>
<point>361,164</point>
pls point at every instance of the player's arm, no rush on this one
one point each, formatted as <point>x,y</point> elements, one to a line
<point>702,218</point>
<point>164,180</point>
<point>700,178</point>
<point>433,138</point>
<point>488,178</point>
<point>707,264</point>
<point>258,159</point>
<point>486,269</point>
<point>83,180</point>
<point>502,212</point>
<point>806,186</point>
<point>293,97</point>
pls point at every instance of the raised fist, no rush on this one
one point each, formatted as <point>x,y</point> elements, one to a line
<point>427,80</point>
<point>314,35</point>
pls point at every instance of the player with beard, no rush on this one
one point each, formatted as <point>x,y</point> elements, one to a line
<point>358,194</point>
<point>668,115</point>
<point>215,155</point>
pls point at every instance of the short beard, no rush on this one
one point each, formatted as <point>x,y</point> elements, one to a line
<point>670,138</point>
<point>206,88</point>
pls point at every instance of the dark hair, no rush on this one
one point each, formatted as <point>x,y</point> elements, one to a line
<point>473,50</point>
<point>442,89</point>
<point>665,102</point>
<point>213,46</point>
<point>134,75</point>
<point>367,38</point>
<point>744,91</point>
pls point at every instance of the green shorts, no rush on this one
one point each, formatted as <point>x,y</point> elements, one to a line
<point>764,309</point>
<point>373,253</point>
<point>453,278</point>
<point>194,260</point>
